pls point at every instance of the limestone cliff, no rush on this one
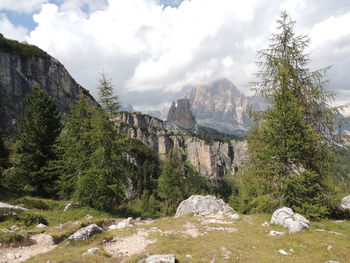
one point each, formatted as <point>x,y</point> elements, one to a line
<point>23,66</point>
<point>211,159</point>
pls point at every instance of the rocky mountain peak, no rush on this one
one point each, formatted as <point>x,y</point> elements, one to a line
<point>221,106</point>
<point>180,113</point>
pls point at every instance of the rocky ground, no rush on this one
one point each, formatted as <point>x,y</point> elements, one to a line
<point>213,234</point>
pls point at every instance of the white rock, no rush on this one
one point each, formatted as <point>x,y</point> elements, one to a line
<point>330,261</point>
<point>91,251</point>
<point>345,202</point>
<point>166,258</point>
<point>233,216</point>
<point>329,247</point>
<point>14,207</point>
<point>13,256</point>
<point>265,224</point>
<point>202,205</point>
<point>88,216</point>
<point>275,233</point>
<point>283,252</point>
<point>41,225</point>
<point>125,223</point>
<point>59,226</point>
<point>330,232</point>
<point>86,232</point>
<point>287,218</point>
<point>70,205</point>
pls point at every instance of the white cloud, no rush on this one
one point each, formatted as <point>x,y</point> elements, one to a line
<point>147,48</point>
<point>11,31</point>
<point>21,6</point>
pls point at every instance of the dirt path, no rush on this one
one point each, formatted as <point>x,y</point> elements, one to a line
<point>42,243</point>
<point>130,245</point>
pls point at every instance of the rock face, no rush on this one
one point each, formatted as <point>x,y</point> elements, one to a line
<point>23,66</point>
<point>180,113</point>
<point>211,159</point>
<point>345,202</point>
<point>287,218</point>
<point>85,232</point>
<point>202,205</point>
<point>166,258</point>
<point>221,106</point>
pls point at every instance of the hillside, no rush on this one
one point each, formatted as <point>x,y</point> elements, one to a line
<point>212,238</point>
<point>23,66</point>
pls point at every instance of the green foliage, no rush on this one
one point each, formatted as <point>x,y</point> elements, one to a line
<point>40,128</point>
<point>178,181</point>
<point>32,203</point>
<point>31,218</point>
<point>107,98</point>
<point>90,150</point>
<point>306,195</point>
<point>293,138</point>
<point>22,50</point>
<point>340,170</point>
<point>11,238</point>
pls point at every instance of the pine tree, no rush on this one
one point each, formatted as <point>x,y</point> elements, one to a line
<point>90,150</point>
<point>74,147</point>
<point>108,100</point>
<point>293,138</point>
<point>39,130</point>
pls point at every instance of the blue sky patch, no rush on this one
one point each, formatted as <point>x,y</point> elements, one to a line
<point>21,19</point>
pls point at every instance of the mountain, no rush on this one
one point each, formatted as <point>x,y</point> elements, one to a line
<point>23,66</point>
<point>221,106</point>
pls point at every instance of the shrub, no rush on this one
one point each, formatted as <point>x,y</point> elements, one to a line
<point>32,203</point>
<point>28,218</point>
<point>7,213</point>
<point>11,237</point>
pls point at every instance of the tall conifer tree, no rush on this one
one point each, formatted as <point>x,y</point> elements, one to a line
<point>290,144</point>
<point>39,130</point>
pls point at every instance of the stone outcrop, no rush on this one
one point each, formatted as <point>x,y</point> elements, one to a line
<point>202,205</point>
<point>287,218</point>
<point>211,159</point>
<point>345,202</point>
<point>180,113</point>
<point>85,232</point>
<point>23,66</point>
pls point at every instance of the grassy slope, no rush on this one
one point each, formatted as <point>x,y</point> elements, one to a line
<point>250,244</point>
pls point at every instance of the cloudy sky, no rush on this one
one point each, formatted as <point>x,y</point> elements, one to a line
<point>152,49</point>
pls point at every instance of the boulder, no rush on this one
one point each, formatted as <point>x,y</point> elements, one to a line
<point>287,218</point>
<point>70,205</point>
<point>86,232</point>
<point>202,205</point>
<point>345,202</point>
<point>166,258</point>
<point>41,225</point>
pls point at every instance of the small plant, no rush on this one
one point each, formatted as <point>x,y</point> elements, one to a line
<point>28,218</point>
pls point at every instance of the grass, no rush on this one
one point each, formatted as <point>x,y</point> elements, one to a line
<point>251,243</point>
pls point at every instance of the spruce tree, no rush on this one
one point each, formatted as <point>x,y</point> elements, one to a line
<point>292,140</point>
<point>39,130</point>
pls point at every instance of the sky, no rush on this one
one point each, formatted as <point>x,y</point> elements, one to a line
<point>153,49</point>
